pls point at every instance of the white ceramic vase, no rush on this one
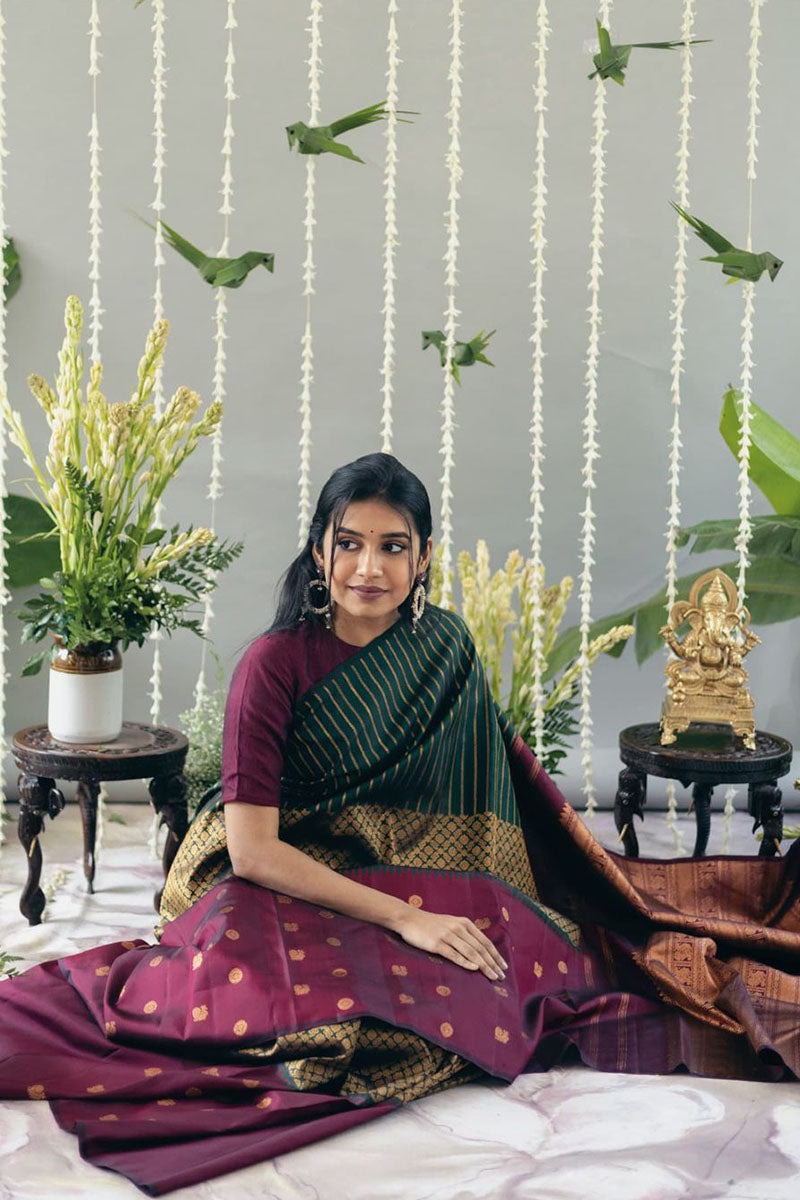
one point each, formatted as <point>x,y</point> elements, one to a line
<point>85,697</point>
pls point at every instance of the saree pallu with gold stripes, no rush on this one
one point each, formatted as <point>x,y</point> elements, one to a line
<point>260,1022</point>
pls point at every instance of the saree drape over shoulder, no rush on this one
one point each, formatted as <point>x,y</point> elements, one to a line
<point>259,1022</point>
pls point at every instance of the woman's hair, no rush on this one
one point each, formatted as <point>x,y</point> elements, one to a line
<point>371,477</point>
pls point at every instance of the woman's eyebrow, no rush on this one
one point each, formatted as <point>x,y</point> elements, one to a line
<point>344,529</point>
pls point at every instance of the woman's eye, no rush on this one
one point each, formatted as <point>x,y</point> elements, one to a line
<point>344,542</point>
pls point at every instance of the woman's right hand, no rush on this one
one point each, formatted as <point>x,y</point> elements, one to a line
<point>455,938</point>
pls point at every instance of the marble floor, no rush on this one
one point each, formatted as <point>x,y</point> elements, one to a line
<point>566,1134</point>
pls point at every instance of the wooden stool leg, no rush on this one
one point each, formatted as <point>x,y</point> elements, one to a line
<point>701,800</point>
<point>628,803</point>
<point>38,798</point>
<point>87,793</point>
<point>168,794</point>
<point>765,804</point>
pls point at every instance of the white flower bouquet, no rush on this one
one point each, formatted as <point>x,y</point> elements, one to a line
<point>106,468</point>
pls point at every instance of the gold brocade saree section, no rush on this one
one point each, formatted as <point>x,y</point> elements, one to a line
<point>397,756</point>
<point>365,1057</point>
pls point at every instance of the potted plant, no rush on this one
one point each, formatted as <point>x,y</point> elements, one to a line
<point>107,466</point>
<point>488,610</point>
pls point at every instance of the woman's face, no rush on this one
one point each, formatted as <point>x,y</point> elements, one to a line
<point>372,552</point>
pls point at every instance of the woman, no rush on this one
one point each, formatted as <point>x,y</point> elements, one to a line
<point>387,896</point>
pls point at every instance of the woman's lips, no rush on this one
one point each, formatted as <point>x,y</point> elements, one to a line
<point>367,592</point>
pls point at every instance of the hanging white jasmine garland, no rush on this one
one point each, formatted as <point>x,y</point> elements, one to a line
<point>159,90</point>
<point>390,228</point>
<point>4,594</point>
<point>95,227</point>
<point>307,372</point>
<point>745,526</point>
<point>453,160</point>
<point>745,494</point>
<point>678,328</point>
<point>95,308</point>
<point>226,208</point>
<point>538,242</point>
<point>58,877</point>
<point>590,443</point>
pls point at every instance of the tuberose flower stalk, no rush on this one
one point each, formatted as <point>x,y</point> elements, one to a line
<point>106,468</point>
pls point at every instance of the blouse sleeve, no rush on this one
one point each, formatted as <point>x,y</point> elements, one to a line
<point>258,712</point>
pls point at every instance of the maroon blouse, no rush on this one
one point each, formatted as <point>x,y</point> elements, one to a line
<point>268,680</point>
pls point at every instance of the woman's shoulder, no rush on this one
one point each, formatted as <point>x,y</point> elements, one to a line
<point>273,652</point>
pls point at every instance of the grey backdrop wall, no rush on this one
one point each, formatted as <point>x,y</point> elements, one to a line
<point>48,98</point>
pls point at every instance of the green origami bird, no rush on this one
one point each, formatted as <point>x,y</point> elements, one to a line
<point>319,139</point>
<point>219,272</point>
<point>465,354</point>
<point>741,264</point>
<point>12,274</point>
<point>611,62</point>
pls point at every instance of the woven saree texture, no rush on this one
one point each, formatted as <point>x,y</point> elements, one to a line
<point>257,1021</point>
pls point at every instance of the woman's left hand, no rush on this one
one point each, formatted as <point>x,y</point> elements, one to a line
<point>455,938</point>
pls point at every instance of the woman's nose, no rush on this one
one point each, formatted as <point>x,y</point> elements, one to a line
<point>367,560</point>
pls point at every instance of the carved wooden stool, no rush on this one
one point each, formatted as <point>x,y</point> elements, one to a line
<point>705,755</point>
<point>152,752</point>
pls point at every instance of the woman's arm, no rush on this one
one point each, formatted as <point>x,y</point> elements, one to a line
<point>258,854</point>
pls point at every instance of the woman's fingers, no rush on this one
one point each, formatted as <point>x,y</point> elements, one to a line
<point>456,938</point>
<point>475,955</point>
<point>456,956</point>
<point>489,956</point>
<point>487,947</point>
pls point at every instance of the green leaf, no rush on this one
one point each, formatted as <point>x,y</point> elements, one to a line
<point>34,664</point>
<point>772,536</point>
<point>33,548</point>
<point>12,275</point>
<point>154,535</point>
<point>774,453</point>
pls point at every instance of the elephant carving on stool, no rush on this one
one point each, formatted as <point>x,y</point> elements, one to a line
<point>629,803</point>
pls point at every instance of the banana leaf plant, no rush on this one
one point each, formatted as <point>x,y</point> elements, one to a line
<point>773,577</point>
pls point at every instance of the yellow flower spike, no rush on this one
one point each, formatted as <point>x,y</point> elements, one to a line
<point>73,319</point>
<point>42,392</point>
<point>211,418</point>
<point>177,549</point>
<point>600,644</point>
<point>119,415</point>
<point>155,346</point>
<point>605,641</point>
<point>179,412</point>
<point>555,614</point>
<point>151,360</point>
